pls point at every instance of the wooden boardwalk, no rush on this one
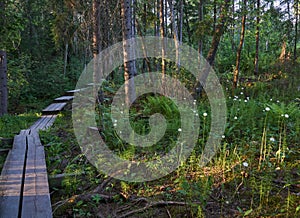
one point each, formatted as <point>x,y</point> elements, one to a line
<point>24,188</point>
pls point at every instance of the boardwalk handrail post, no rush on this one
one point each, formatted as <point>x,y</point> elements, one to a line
<point>3,83</point>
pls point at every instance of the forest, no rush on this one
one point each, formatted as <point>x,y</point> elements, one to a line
<point>233,150</point>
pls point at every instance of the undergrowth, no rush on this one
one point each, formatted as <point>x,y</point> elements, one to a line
<point>254,174</point>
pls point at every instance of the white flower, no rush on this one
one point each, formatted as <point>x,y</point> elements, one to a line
<point>223,136</point>
<point>242,93</point>
<point>235,118</point>
<point>179,130</point>
<point>277,101</point>
<point>245,101</point>
<point>205,114</point>
<point>197,114</point>
<point>272,139</point>
<point>248,98</point>
<point>245,164</point>
<point>286,116</point>
<point>271,99</point>
<point>115,124</point>
<point>267,109</point>
<point>242,88</point>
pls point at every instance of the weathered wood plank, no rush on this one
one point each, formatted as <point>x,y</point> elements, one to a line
<point>25,132</point>
<point>49,123</point>
<point>39,122</point>
<point>64,99</point>
<point>11,179</point>
<point>43,123</point>
<point>36,196</point>
<point>54,108</point>
<point>72,92</point>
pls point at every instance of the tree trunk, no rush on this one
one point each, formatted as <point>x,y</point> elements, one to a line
<point>239,51</point>
<point>200,14</point>
<point>215,15</point>
<point>216,40</point>
<point>181,5</point>
<point>129,69</point>
<point>218,33</point>
<point>3,84</point>
<point>282,56</point>
<point>296,29</point>
<point>66,58</point>
<point>162,35</point>
<point>96,39</point>
<point>257,39</point>
<point>175,33</point>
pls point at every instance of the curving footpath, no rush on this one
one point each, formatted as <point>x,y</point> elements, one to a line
<point>24,188</point>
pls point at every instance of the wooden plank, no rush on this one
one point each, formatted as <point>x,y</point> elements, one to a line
<point>72,92</point>
<point>64,99</point>
<point>38,123</point>
<point>44,122</point>
<point>25,132</point>
<point>49,123</point>
<point>11,179</point>
<point>36,196</point>
<point>54,108</point>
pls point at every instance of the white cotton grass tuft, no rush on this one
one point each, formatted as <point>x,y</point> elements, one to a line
<point>245,164</point>
<point>267,109</point>
<point>205,114</point>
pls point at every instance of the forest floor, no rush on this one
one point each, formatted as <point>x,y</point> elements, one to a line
<point>254,174</point>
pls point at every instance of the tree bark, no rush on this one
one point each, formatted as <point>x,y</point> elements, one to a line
<point>175,33</point>
<point>257,39</point>
<point>3,84</point>
<point>239,51</point>
<point>129,66</point>
<point>66,58</point>
<point>201,15</point>
<point>96,39</point>
<point>219,31</point>
<point>296,29</point>
<point>162,35</point>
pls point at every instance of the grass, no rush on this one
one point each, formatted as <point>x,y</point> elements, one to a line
<point>254,174</point>
<point>11,125</point>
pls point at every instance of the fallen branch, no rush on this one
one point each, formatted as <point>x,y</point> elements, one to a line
<point>154,204</point>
